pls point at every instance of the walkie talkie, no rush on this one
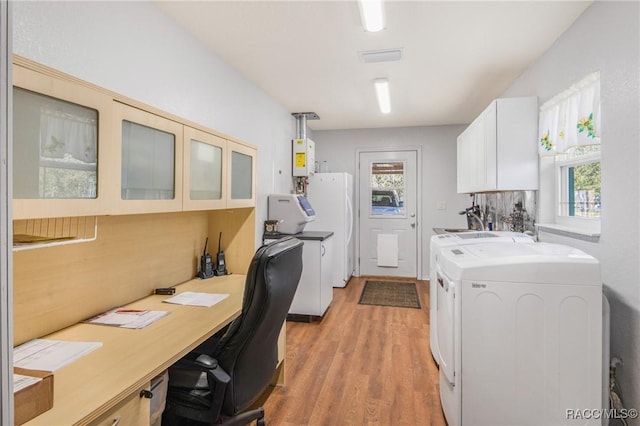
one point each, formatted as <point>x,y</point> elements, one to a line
<point>206,263</point>
<point>221,267</point>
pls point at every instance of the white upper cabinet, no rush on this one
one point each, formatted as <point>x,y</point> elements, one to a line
<point>205,171</point>
<point>498,151</point>
<point>60,140</point>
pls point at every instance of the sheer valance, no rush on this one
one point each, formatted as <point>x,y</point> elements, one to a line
<point>571,118</point>
<point>69,134</point>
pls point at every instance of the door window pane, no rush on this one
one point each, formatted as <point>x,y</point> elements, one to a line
<point>148,163</point>
<point>387,189</point>
<point>206,171</point>
<point>241,169</point>
<point>55,147</point>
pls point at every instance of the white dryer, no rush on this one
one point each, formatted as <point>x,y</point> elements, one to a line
<point>440,241</point>
<point>519,334</point>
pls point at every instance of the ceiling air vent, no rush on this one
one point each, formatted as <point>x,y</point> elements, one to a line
<point>387,55</point>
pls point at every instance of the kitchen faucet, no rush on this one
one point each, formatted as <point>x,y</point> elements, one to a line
<point>476,213</point>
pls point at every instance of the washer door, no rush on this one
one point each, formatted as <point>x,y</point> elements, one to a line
<point>446,325</point>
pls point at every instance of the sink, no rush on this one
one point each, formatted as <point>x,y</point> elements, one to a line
<point>457,230</point>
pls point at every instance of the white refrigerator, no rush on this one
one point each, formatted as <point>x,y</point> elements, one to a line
<point>331,196</point>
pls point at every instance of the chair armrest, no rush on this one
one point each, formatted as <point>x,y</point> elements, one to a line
<point>187,374</point>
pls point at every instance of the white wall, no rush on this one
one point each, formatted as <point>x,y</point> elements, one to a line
<point>438,166</point>
<point>607,38</point>
<point>132,48</point>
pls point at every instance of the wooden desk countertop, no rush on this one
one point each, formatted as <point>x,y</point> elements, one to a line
<point>130,358</point>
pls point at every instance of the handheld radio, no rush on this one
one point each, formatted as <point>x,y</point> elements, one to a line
<point>206,263</point>
<point>221,266</point>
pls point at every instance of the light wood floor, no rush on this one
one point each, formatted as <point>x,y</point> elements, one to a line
<point>360,365</point>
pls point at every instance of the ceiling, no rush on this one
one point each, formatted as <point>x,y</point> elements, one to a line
<point>457,56</point>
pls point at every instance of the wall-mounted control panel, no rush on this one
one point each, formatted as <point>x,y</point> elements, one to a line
<point>304,157</point>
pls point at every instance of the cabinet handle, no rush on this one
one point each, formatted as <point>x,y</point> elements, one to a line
<point>116,421</point>
<point>156,384</point>
<point>324,249</point>
<point>144,393</point>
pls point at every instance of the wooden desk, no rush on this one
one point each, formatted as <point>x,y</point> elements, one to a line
<point>90,387</point>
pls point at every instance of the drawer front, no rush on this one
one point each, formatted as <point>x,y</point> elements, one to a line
<point>134,410</point>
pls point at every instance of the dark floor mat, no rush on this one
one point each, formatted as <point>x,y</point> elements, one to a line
<point>390,293</point>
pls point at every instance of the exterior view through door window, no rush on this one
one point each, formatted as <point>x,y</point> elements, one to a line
<point>387,189</point>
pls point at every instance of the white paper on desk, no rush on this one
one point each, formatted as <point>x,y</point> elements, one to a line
<point>196,299</point>
<point>128,318</point>
<point>21,381</point>
<point>50,355</point>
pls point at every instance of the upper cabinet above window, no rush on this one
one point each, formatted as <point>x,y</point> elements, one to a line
<point>60,130</point>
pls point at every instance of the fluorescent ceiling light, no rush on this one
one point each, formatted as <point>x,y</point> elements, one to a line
<point>382,93</point>
<point>386,55</point>
<point>372,14</point>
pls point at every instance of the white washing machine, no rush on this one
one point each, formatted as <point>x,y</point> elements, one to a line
<point>438,242</point>
<point>519,334</point>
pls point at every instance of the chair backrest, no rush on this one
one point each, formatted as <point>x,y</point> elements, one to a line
<point>249,349</point>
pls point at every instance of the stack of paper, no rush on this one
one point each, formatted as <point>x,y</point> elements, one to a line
<point>197,299</point>
<point>50,355</point>
<point>128,318</point>
<point>21,381</point>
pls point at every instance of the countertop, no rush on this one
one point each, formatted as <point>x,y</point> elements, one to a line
<point>308,235</point>
<point>450,230</point>
<point>128,359</point>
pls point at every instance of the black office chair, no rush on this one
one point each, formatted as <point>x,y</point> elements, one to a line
<point>217,387</point>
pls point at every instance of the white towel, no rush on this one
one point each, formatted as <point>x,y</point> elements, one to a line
<point>388,250</point>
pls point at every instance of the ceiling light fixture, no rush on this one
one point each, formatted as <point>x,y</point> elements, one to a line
<point>372,14</point>
<point>386,55</point>
<point>382,93</point>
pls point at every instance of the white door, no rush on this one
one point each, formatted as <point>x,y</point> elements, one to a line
<point>387,202</point>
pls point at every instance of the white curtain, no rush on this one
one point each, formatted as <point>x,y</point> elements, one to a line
<point>571,118</point>
<point>68,136</point>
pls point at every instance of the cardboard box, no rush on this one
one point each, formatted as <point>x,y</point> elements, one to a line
<point>35,399</point>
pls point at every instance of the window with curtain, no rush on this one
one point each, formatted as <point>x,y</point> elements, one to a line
<point>569,130</point>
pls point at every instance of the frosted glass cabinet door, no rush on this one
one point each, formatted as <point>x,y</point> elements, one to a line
<point>150,166</point>
<point>58,134</point>
<point>148,163</point>
<point>242,164</point>
<point>204,171</point>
